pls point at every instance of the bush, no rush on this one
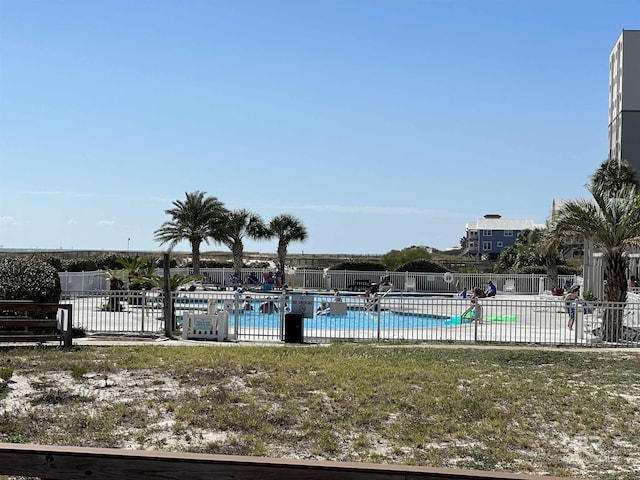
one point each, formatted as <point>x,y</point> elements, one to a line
<point>90,264</point>
<point>359,266</point>
<point>421,266</point>
<point>394,258</point>
<point>562,270</point>
<point>29,278</point>
<point>216,264</point>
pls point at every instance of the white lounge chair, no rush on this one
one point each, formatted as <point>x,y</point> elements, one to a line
<point>410,284</point>
<point>509,285</point>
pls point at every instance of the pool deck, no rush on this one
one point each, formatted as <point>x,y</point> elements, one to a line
<point>527,320</point>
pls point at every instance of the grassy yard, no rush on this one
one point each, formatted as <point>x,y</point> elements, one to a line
<point>566,413</point>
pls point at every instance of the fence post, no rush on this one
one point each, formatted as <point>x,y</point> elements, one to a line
<point>168,300</point>
<point>68,328</point>
<point>236,308</point>
<point>143,302</point>
<point>379,305</point>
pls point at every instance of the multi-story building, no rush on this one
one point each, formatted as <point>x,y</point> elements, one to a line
<point>488,236</point>
<point>624,99</point>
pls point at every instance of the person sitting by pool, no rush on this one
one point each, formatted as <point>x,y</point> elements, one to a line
<point>323,309</point>
<point>385,283</point>
<point>268,306</point>
<point>246,306</point>
<point>491,290</point>
<point>252,279</point>
<point>268,278</point>
<point>478,293</point>
<point>463,293</point>
<point>232,281</point>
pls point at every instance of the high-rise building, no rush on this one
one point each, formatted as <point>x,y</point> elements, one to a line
<point>624,99</point>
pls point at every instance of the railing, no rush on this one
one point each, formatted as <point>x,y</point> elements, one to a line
<point>69,463</point>
<point>341,279</point>
<point>539,319</point>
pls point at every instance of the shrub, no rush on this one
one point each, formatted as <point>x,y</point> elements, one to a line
<point>421,265</point>
<point>562,270</point>
<point>29,278</point>
<point>90,264</point>
<point>217,264</point>
<point>6,373</point>
<point>394,258</point>
<point>78,371</point>
<point>359,266</point>
<point>537,269</point>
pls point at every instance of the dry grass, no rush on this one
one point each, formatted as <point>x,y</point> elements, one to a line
<point>538,411</point>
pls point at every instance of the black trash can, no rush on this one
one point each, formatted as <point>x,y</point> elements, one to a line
<point>293,324</point>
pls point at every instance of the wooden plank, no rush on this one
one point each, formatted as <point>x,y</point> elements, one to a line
<point>71,463</point>
<point>6,337</point>
<point>28,322</point>
<point>26,304</point>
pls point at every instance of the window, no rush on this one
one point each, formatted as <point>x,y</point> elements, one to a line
<point>499,244</point>
<point>486,245</point>
<point>486,233</point>
<point>508,233</point>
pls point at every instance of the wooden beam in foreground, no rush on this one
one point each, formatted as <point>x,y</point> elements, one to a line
<point>70,463</point>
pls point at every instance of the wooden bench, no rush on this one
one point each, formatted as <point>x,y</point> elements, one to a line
<point>360,285</point>
<point>27,321</point>
<point>67,463</point>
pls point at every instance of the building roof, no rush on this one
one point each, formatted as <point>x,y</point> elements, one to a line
<point>502,224</point>
<point>559,203</point>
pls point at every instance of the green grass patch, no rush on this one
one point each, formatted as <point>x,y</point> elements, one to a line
<point>535,411</point>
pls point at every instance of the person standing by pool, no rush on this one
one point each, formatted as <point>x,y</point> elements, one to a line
<point>246,306</point>
<point>336,295</point>
<point>268,306</point>
<point>570,300</point>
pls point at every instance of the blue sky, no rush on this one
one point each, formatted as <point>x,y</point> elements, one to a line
<point>380,124</point>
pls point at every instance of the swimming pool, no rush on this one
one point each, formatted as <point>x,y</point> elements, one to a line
<point>356,318</point>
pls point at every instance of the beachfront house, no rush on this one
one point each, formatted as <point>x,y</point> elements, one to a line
<point>488,236</point>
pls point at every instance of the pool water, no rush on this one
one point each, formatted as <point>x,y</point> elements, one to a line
<point>357,319</point>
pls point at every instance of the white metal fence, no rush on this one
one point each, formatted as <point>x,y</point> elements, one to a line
<point>89,282</point>
<point>391,316</point>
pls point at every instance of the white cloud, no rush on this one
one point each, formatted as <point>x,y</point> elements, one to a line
<point>72,221</point>
<point>106,222</point>
<point>7,220</point>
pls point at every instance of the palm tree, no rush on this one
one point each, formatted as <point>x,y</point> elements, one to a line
<point>613,174</point>
<point>238,225</point>
<point>612,223</point>
<point>193,220</point>
<point>287,229</point>
<point>175,281</point>
<point>135,268</point>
